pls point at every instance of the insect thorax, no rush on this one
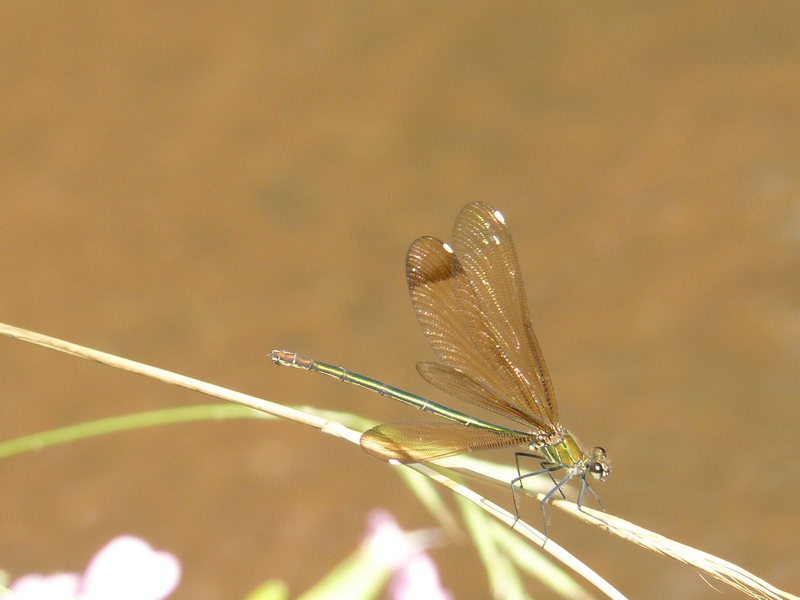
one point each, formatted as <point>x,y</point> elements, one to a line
<point>565,453</point>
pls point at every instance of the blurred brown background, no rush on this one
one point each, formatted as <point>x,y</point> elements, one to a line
<point>193,184</point>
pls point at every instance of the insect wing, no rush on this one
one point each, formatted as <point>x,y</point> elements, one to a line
<point>462,386</point>
<point>451,319</point>
<point>420,441</point>
<point>486,252</point>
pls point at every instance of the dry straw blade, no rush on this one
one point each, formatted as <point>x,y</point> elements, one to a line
<point>703,562</point>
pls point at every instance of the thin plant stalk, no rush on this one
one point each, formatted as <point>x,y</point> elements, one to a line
<point>703,562</point>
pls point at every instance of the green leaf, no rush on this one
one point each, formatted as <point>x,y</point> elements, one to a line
<point>271,590</point>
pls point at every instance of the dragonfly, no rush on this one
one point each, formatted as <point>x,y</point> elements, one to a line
<point>470,301</point>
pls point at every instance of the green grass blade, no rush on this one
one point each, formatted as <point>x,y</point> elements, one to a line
<point>89,429</point>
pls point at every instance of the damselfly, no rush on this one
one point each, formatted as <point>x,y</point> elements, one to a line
<point>471,304</point>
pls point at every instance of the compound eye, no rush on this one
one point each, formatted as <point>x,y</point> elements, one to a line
<point>599,453</point>
<point>597,470</point>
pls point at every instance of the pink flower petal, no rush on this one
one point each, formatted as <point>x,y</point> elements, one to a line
<point>127,568</point>
<point>63,586</point>
<point>385,540</point>
<point>415,576</point>
<point>418,579</point>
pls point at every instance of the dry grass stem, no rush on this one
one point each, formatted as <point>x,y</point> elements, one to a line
<point>557,552</point>
<point>271,408</point>
<point>705,563</point>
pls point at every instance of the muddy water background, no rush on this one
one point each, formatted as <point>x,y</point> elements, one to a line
<point>192,185</point>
